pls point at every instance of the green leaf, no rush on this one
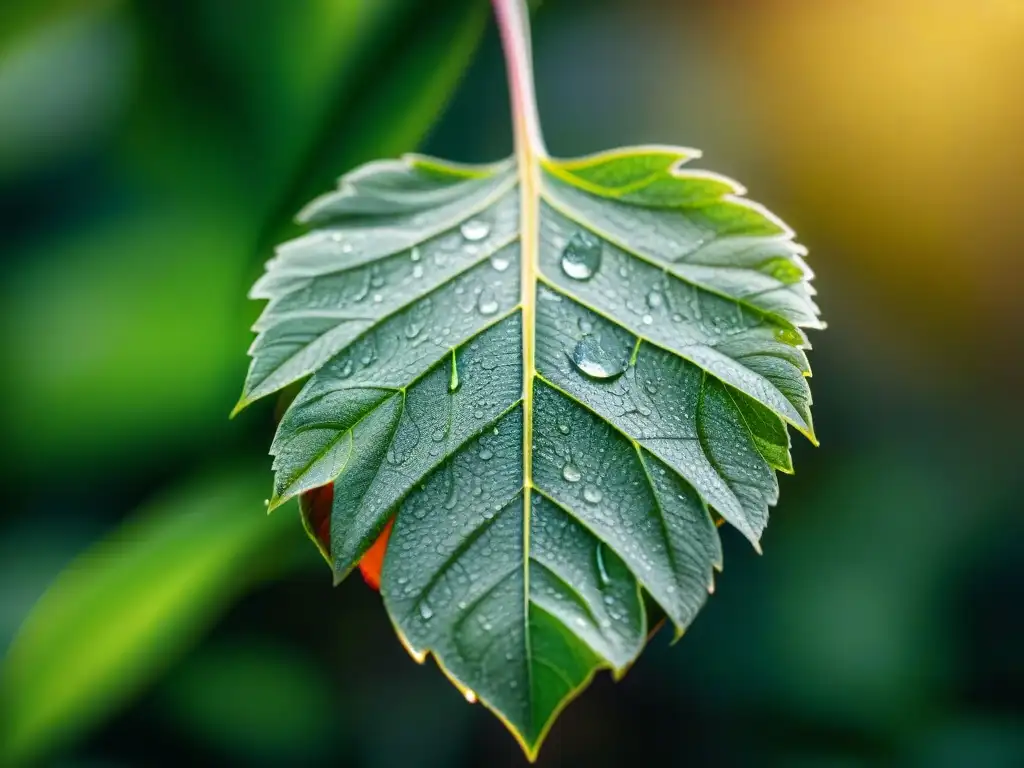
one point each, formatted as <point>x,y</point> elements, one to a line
<point>124,609</point>
<point>547,373</point>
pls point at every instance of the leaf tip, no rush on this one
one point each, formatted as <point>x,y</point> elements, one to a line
<point>241,405</point>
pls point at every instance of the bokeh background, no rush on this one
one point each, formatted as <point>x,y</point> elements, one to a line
<point>151,154</point>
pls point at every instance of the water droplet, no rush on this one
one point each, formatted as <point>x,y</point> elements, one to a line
<point>596,361</point>
<point>453,381</point>
<point>563,428</point>
<point>571,473</point>
<point>654,299</point>
<point>585,325</point>
<point>417,271</point>
<point>475,229</point>
<point>647,319</point>
<point>581,257</point>
<point>336,237</point>
<point>378,298</point>
<point>592,494</point>
<point>266,502</point>
<point>346,248</point>
<point>486,454</point>
<point>602,572</point>
<point>499,262</point>
<point>426,612</point>
<point>788,336</point>
<point>470,696</point>
<point>677,318</point>
<point>487,304</point>
<point>414,254</point>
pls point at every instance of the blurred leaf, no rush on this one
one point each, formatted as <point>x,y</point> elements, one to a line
<point>573,359</point>
<point>124,609</point>
<point>256,702</point>
<point>167,372</point>
<point>21,18</point>
<point>61,89</point>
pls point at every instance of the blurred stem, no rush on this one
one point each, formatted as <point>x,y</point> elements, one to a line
<point>514,26</point>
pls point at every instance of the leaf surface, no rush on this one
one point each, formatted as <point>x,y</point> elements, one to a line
<point>548,380</point>
<point>549,421</point>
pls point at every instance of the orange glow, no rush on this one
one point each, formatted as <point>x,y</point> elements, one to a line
<point>372,561</point>
<point>316,512</point>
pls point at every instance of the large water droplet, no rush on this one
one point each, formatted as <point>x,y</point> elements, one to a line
<point>417,271</point>
<point>592,494</point>
<point>596,361</point>
<point>414,254</point>
<point>602,572</point>
<point>486,454</point>
<point>475,229</point>
<point>563,428</point>
<point>426,612</point>
<point>581,257</point>
<point>486,303</point>
<point>571,473</point>
<point>470,696</point>
<point>499,263</point>
<point>654,299</point>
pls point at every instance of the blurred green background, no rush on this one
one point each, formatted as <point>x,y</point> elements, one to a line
<point>151,154</point>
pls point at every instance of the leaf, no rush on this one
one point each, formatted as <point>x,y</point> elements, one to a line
<point>128,606</point>
<point>547,373</point>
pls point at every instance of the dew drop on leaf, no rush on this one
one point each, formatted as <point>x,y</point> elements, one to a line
<point>563,428</point>
<point>596,361</point>
<point>487,304</point>
<point>571,473</point>
<point>475,230</point>
<point>654,299</point>
<point>592,494</point>
<point>581,257</point>
<point>426,612</point>
<point>499,262</point>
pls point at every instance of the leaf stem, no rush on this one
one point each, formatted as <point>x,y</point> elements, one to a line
<point>514,27</point>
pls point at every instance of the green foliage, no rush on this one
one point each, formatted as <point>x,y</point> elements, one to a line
<point>131,604</point>
<point>546,386</point>
<point>121,613</point>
